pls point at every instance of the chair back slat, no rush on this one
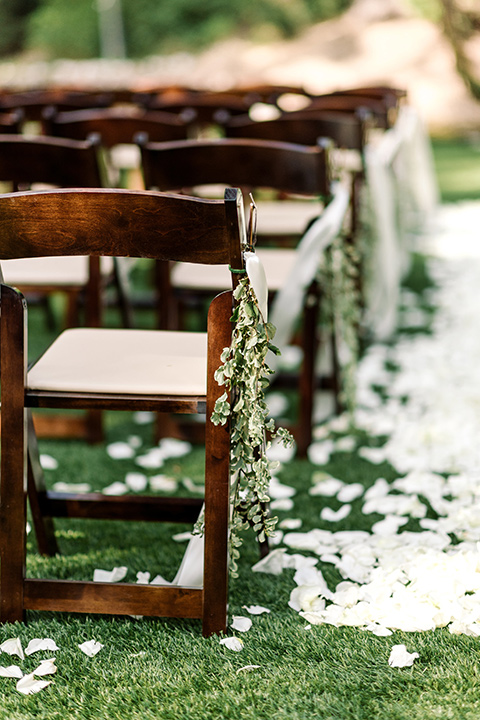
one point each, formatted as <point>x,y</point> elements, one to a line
<point>121,223</point>
<point>346,131</point>
<point>115,125</point>
<point>53,161</point>
<point>243,163</point>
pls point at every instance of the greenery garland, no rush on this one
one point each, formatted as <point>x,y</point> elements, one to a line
<point>245,375</point>
<point>339,279</point>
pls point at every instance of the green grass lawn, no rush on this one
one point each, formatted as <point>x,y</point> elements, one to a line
<point>457,163</point>
<point>158,668</point>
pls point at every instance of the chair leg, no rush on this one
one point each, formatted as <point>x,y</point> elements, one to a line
<point>13,479</point>
<point>217,479</point>
<point>44,528</point>
<point>307,383</point>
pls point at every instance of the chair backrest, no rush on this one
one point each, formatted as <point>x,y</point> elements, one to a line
<point>123,223</point>
<point>346,131</point>
<point>33,102</point>
<point>241,163</point>
<point>53,161</point>
<point>116,125</point>
<point>350,103</point>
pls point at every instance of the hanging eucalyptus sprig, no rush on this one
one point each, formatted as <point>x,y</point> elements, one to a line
<point>338,277</point>
<point>245,375</point>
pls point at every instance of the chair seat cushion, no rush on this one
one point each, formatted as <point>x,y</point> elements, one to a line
<point>276,262</point>
<point>45,271</point>
<point>123,361</point>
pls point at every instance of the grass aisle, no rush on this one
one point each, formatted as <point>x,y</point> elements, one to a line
<point>151,668</point>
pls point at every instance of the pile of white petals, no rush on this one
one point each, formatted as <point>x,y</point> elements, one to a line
<point>429,411</point>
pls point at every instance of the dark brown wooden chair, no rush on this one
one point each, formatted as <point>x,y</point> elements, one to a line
<point>33,102</point>
<point>114,369</point>
<point>30,162</point>
<point>26,162</point>
<point>251,164</point>
<point>115,125</point>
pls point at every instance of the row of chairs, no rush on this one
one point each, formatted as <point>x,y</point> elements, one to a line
<point>92,367</point>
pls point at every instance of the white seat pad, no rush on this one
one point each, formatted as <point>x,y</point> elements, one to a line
<point>276,262</point>
<point>123,361</point>
<point>59,271</point>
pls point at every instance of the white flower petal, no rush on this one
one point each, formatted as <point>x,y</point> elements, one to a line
<point>48,462</point>
<point>319,452</point>
<point>351,492</point>
<point>290,524</point>
<point>162,483</point>
<point>174,448</point>
<point>91,647</point>
<point>143,578</point>
<point>11,671</point>
<point>46,667</point>
<point>154,458</point>
<point>282,504</point>
<point>27,685</point>
<point>335,515</point>
<point>232,643</point>
<point>115,575</point>
<point>240,623</point>
<point>120,451</point>
<point>247,668</point>
<point>71,487</point>
<point>116,488</point>
<point>137,482</point>
<point>272,563</point>
<point>256,609</point>
<point>38,644</point>
<point>400,657</point>
<point>12,647</point>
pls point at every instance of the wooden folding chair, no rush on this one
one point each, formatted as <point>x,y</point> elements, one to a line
<point>114,369</point>
<point>292,170</point>
<point>29,161</point>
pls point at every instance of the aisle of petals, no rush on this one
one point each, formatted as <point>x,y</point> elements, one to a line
<point>420,399</point>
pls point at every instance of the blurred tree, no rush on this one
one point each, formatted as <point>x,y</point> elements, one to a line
<point>461,21</point>
<point>70,29</point>
<point>13,16</point>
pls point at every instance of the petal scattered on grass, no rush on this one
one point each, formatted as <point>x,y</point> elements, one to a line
<point>335,515</point>
<point>400,657</point>
<point>247,668</point>
<point>38,644</point>
<point>290,524</point>
<point>351,492</point>
<point>48,462</point>
<point>13,646</point>
<point>256,609</point>
<point>27,685</point>
<point>174,448</point>
<point>12,671</point>
<point>120,451</point>
<point>116,488</point>
<point>143,417</point>
<point>319,452</point>
<point>282,504</point>
<point>115,575</point>
<point>232,643</point>
<point>46,667</point>
<point>137,482</point>
<point>192,487</point>
<point>153,459</point>
<point>272,563</point>
<point>240,623</point>
<point>143,578</point>
<point>162,483</point>
<point>91,647</point>
<point>72,487</point>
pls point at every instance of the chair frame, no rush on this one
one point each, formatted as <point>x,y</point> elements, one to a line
<point>105,222</point>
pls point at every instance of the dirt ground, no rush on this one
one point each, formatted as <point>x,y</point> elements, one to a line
<point>365,46</point>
